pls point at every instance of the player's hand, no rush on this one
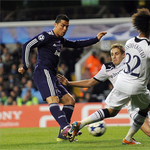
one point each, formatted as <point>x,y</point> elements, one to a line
<point>101,34</point>
<point>62,79</point>
<point>21,70</point>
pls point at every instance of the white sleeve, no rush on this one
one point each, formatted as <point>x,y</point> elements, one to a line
<point>148,52</point>
<point>101,75</point>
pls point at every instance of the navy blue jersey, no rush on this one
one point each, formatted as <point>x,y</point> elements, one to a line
<point>49,48</point>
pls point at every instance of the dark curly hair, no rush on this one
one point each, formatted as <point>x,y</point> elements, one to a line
<point>141,20</point>
<point>61,17</point>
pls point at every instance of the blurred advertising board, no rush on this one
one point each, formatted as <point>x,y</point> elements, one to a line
<point>39,115</point>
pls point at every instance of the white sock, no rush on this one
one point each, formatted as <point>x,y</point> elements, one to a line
<point>138,121</point>
<point>92,118</point>
<point>130,134</point>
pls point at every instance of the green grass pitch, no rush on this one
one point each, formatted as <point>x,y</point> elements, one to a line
<point>45,139</point>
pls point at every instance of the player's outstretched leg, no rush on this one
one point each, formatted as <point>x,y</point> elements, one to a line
<point>73,131</point>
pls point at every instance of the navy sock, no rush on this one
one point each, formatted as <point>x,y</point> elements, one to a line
<point>58,114</point>
<point>68,109</point>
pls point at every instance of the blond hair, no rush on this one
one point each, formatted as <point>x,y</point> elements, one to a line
<point>119,46</point>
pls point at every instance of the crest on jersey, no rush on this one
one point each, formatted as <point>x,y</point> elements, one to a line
<point>41,37</point>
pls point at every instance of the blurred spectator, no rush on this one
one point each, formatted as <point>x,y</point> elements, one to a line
<point>14,69</point>
<point>62,69</point>
<point>17,53</point>
<point>3,97</point>
<point>1,67</point>
<point>1,89</point>
<point>3,49</point>
<point>10,101</point>
<point>2,71</point>
<point>87,97</point>
<point>28,99</point>
<point>13,95</point>
<point>8,63</point>
<point>1,63</point>
<point>14,72</point>
<point>29,73</point>
<point>93,64</point>
<point>10,83</point>
<point>2,83</point>
<point>23,82</point>
<point>4,52</point>
<point>17,90</point>
<point>28,86</point>
<point>34,92</point>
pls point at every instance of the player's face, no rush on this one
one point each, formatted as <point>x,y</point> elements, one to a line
<point>116,56</point>
<point>61,28</point>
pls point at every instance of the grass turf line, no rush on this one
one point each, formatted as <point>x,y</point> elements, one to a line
<point>45,139</point>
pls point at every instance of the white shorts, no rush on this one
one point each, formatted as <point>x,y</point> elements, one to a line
<point>117,100</point>
<point>131,110</point>
<point>134,110</point>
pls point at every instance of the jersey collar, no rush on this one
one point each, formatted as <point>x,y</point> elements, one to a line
<point>121,64</point>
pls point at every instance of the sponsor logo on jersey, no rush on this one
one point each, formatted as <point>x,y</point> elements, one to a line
<point>57,53</point>
<point>115,73</point>
<point>41,37</point>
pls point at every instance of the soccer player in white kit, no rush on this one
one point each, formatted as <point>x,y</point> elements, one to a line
<point>109,71</point>
<point>131,84</point>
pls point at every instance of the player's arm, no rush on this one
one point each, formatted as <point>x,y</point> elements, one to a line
<point>82,83</point>
<point>25,54</point>
<point>26,48</point>
<point>101,34</point>
<point>83,43</point>
<point>99,77</point>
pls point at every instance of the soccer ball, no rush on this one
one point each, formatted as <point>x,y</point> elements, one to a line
<point>97,128</point>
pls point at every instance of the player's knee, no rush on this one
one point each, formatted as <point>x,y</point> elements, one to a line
<point>52,99</point>
<point>113,112</point>
<point>68,100</point>
<point>71,101</point>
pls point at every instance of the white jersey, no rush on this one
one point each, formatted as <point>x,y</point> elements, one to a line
<point>134,78</point>
<point>109,71</point>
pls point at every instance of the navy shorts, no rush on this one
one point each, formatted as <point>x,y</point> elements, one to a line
<point>48,84</point>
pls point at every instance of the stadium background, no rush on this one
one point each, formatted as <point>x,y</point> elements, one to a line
<point>16,28</point>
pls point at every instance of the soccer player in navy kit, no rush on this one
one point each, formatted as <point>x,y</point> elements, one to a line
<point>49,49</point>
